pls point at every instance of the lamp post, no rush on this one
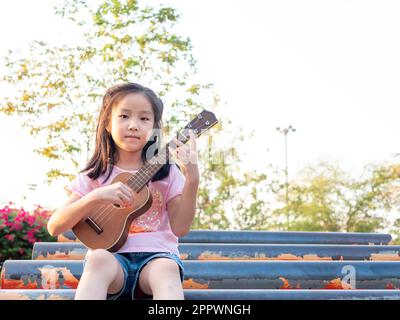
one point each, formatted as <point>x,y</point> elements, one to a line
<point>285,132</point>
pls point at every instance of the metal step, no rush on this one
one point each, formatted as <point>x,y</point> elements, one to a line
<point>285,237</point>
<point>53,274</point>
<point>215,251</point>
<point>276,237</point>
<point>225,294</point>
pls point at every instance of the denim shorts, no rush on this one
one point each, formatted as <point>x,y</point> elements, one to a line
<point>132,263</point>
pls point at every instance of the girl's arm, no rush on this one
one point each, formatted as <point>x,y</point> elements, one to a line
<point>74,210</point>
<point>182,209</point>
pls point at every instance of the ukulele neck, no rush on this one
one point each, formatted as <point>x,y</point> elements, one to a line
<point>201,123</point>
<point>151,167</point>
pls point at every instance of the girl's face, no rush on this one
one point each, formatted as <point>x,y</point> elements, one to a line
<point>132,122</point>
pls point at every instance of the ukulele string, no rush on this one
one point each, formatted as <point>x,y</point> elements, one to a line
<point>142,175</point>
<point>149,171</point>
<point>109,216</point>
<point>102,216</point>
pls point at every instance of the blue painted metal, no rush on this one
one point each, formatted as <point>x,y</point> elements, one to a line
<point>284,237</point>
<point>278,237</point>
<point>260,294</point>
<point>302,274</point>
<point>39,294</point>
<point>69,235</point>
<point>41,274</point>
<point>220,274</point>
<point>287,251</point>
<point>58,251</point>
<point>211,251</point>
<point>225,294</point>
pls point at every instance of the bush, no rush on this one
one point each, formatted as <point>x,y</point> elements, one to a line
<point>19,230</point>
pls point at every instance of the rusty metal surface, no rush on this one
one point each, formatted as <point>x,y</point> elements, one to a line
<point>274,237</point>
<point>234,294</point>
<point>291,252</point>
<point>291,275</point>
<point>51,274</point>
<point>37,274</point>
<point>284,237</point>
<point>225,294</point>
<point>205,251</point>
<point>40,294</point>
<point>58,251</point>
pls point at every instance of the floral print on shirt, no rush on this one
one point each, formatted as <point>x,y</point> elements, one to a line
<point>149,221</point>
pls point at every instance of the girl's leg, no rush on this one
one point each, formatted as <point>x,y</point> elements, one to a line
<point>102,274</point>
<point>161,278</point>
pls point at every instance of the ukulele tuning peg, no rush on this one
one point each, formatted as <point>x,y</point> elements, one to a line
<point>200,116</point>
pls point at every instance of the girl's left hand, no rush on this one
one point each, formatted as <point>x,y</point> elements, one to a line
<point>186,156</point>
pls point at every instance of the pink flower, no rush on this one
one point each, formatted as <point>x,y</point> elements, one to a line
<point>22,215</point>
<point>9,237</point>
<point>31,220</point>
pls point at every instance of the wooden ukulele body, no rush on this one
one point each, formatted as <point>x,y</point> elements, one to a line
<point>107,227</point>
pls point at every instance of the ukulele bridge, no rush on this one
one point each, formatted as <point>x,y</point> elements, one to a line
<point>94,225</point>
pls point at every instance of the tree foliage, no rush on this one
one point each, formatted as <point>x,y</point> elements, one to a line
<point>325,198</point>
<point>58,89</point>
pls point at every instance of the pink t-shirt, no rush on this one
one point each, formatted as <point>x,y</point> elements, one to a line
<point>150,232</point>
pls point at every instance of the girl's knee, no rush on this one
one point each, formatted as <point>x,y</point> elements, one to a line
<point>165,264</point>
<point>102,262</point>
<point>164,268</point>
<point>161,276</point>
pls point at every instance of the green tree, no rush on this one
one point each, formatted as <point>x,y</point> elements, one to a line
<point>257,194</point>
<point>217,183</point>
<point>232,196</point>
<point>57,89</point>
<point>325,198</point>
<point>393,193</point>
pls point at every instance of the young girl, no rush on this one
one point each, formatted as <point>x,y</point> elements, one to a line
<point>148,263</point>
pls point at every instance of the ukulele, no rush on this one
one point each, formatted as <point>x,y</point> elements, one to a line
<point>107,226</point>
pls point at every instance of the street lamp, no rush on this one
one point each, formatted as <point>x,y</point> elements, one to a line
<point>285,132</point>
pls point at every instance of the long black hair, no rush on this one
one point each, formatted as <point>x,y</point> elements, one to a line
<point>105,154</point>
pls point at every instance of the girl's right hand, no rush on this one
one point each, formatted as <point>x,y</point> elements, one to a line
<point>117,193</point>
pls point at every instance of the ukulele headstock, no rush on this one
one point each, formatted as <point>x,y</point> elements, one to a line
<point>200,124</point>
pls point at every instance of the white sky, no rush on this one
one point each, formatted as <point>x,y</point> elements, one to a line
<point>329,68</point>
